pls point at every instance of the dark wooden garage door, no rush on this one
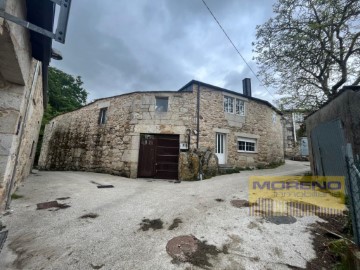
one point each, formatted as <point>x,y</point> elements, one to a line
<point>158,156</point>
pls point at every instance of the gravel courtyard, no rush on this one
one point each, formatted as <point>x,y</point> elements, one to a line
<point>129,226</point>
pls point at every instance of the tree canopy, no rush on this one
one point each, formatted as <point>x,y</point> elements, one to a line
<point>65,91</point>
<point>309,50</point>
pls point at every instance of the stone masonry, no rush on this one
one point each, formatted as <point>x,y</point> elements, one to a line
<point>21,102</point>
<point>76,140</point>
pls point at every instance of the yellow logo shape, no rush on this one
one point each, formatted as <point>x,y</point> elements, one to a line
<point>296,195</point>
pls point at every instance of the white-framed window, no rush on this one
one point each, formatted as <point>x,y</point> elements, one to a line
<point>247,145</point>
<point>161,104</point>
<point>234,105</point>
<point>102,116</point>
<point>240,107</point>
<point>228,104</point>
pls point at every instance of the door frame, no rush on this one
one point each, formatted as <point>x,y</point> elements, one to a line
<point>224,142</point>
<point>156,155</point>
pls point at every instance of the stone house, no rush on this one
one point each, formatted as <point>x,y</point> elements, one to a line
<point>334,133</point>
<point>294,124</point>
<point>24,60</point>
<point>141,134</point>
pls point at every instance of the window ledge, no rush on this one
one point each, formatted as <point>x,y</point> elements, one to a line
<point>247,152</point>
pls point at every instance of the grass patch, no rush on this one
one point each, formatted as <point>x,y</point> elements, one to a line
<point>15,196</point>
<point>271,165</point>
<point>223,171</point>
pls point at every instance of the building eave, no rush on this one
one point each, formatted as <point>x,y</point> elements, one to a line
<point>217,88</point>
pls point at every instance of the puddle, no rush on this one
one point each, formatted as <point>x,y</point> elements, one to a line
<point>51,204</point>
<point>278,220</point>
<point>187,248</point>
<point>90,215</point>
<point>155,224</point>
<point>241,203</point>
<point>175,224</point>
<point>62,198</point>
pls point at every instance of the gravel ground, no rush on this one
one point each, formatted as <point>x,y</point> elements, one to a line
<point>117,231</point>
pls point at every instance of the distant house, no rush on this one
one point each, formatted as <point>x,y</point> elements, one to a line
<point>333,130</point>
<point>294,131</point>
<point>141,134</point>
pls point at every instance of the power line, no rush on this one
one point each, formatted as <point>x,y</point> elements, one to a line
<point>236,49</point>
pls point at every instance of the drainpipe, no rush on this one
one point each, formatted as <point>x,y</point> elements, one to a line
<point>21,133</point>
<point>198,117</point>
<point>200,176</point>
<point>294,128</point>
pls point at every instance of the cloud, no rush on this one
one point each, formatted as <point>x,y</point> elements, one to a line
<point>120,46</point>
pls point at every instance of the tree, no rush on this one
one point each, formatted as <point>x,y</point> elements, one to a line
<point>65,93</point>
<point>309,50</point>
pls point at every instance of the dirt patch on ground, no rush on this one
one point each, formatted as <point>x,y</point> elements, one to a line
<point>175,224</point>
<point>51,204</point>
<point>62,198</point>
<point>280,219</point>
<point>325,258</point>
<point>155,224</point>
<point>94,266</point>
<point>187,248</point>
<point>90,215</point>
<point>241,203</point>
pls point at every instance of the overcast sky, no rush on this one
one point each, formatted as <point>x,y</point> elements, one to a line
<point>118,46</point>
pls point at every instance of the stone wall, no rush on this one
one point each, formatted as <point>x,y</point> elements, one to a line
<point>291,128</point>
<point>21,102</point>
<point>76,141</point>
<point>21,111</point>
<point>260,122</point>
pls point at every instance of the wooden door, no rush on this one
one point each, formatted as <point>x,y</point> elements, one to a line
<point>158,156</point>
<point>146,156</point>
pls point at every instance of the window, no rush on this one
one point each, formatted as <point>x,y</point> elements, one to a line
<point>240,107</point>
<point>102,116</point>
<point>246,145</point>
<point>161,104</point>
<point>274,118</point>
<point>228,104</point>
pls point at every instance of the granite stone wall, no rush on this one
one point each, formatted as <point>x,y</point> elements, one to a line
<point>260,122</point>
<point>76,140</point>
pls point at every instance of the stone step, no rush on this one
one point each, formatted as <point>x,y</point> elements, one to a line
<point>225,166</point>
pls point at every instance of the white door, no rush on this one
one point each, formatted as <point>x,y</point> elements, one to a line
<point>220,147</point>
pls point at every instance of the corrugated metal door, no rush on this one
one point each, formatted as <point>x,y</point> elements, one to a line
<point>328,147</point>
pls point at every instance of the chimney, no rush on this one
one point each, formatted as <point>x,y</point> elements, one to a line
<point>247,87</point>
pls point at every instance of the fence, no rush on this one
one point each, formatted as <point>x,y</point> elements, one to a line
<point>353,188</point>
